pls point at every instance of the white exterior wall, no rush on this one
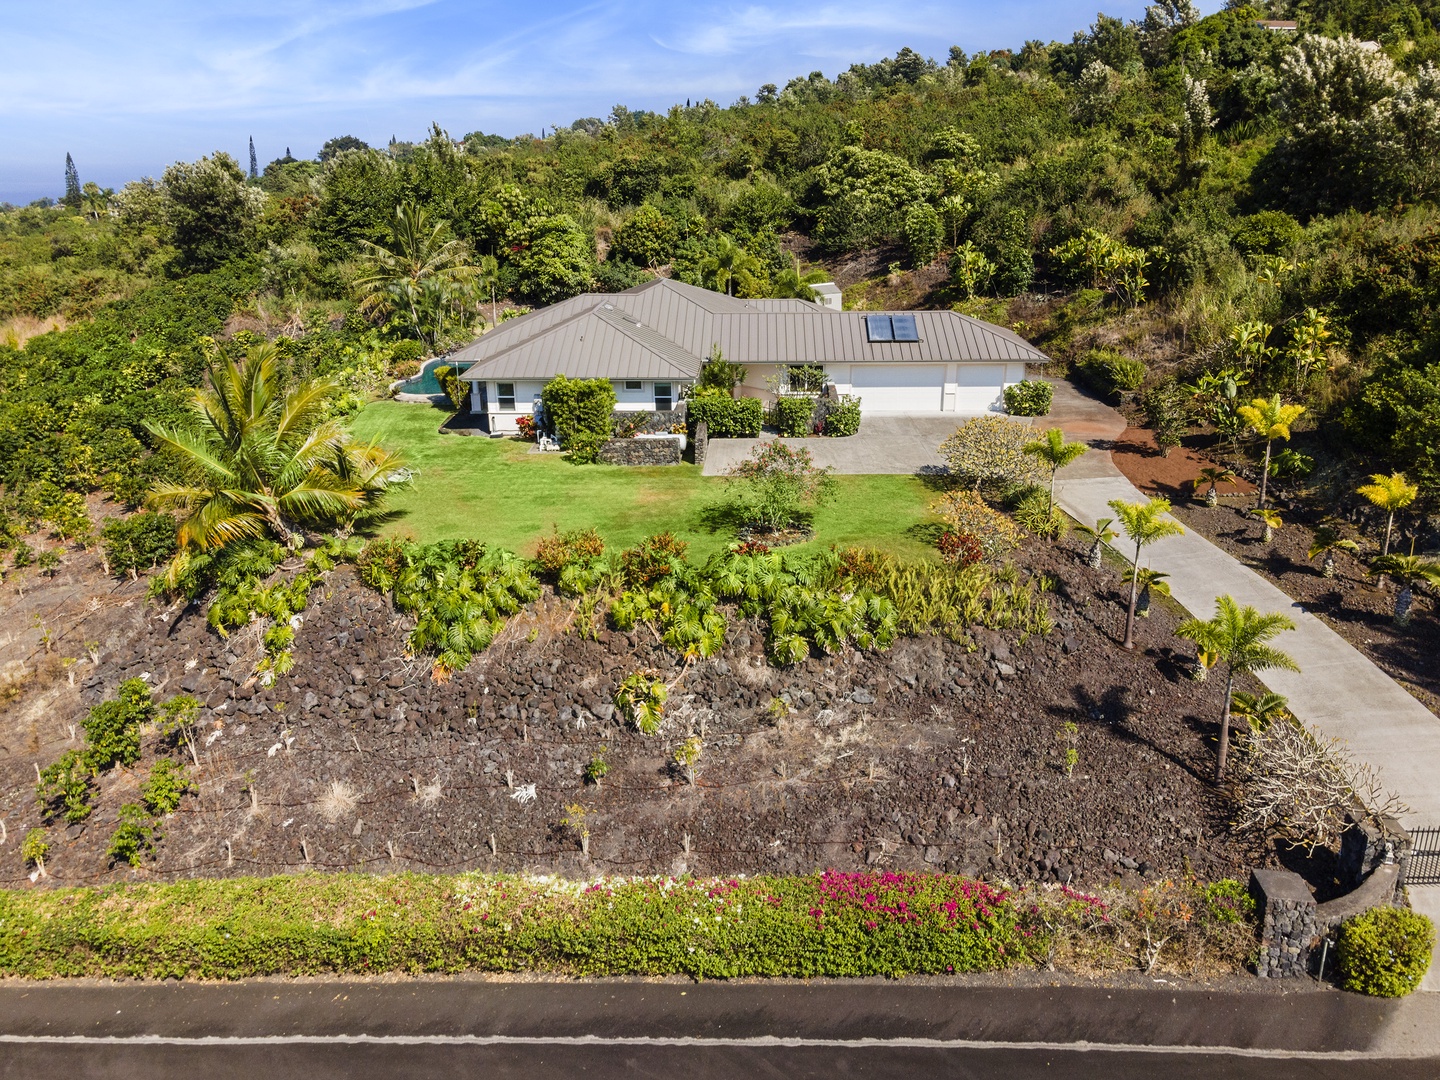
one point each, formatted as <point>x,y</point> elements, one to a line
<point>502,421</point>
<point>643,400</point>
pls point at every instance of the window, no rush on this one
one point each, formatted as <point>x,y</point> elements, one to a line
<point>891,328</point>
<point>805,378</point>
<point>505,396</point>
<point>664,398</point>
<point>634,384</point>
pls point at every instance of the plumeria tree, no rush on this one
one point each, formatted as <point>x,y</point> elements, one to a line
<point>1143,523</point>
<point>1239,638</point>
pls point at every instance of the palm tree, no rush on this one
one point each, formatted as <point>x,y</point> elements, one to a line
<point>1390,493</point>
<point>1328,541</point>
<point>262,461</point>
<point>726,261</point>
<point>1150,581</point>
<point>1270,419</point>
<point>1238,636</point>
<point>1272,520</point>
<point>487,282</point>
<point>1099,536</point>
<point>1408,571</point>
<point>420,264</point>
<point>1260,710</point>
<point>1144,523</point>
<point>792,284</point>
<point>1212,475</point>
<point>1052,449</point>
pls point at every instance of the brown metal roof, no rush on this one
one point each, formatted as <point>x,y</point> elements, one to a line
<point>663,329</point>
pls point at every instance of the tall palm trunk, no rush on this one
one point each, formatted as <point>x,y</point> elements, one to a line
<point>1225,728</point>
<point>1389,524</point>
<point>1134,595</point>
<point>1265,473</point>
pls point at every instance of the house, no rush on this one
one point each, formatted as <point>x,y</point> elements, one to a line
<point>650,342</point>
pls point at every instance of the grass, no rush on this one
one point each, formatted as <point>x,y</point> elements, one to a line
<point>495,490</point>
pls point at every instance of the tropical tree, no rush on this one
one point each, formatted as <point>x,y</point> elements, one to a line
<point>1408,571</point>
<point>792,283</point>
<point>1326,542</point>
<point>1143,523</point>
<point>1212,475</point>
<point>1238,637</point>
<point>1392,494</point>
<point>1259,710</point>
<point>1272,521</point>
<point>725,262</point>
<point>261,461</point>
<point>1055,453</point>
<point>421,266</point>
<point>487,283</point>
<point>1269,418</point>
<point>1100,535</point>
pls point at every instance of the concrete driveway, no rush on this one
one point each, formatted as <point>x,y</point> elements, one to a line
<point>884,444</point>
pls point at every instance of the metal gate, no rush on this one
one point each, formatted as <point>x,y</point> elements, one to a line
<point>1423,866</point>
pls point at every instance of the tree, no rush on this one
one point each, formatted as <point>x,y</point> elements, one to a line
<point>1143,523</point>
<point>1167,413</point>
<point>865,195</point>
<point>72,184</point>
<point>1326,542</point>
<point>1212,475</point>
<point>794,284</point>
<point>1270,419</point>
<point>1237,637</point>
<point>422,259</point>
<point>336,146</point>
<point>646,238</point>
<point>724,264</point>
<point>1099,535</point>
<point>990,451</point>
<point>1392,494</point>
<point>260,461</point>
<point>924,233</point>
<point>779,483</point>
<point>213,213</point>
<point>1408,571</point>
<point>970,270</point>
<point>1052,450</point>
<point>254,162</point>
<point>95,200</point>
<point>550,259</point>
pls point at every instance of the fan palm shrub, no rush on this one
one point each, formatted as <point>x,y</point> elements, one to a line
<point>1326,542</point>
<point>1392,494</point>
<point>1408,571</point>
<point>1271,520</point>
<point>1238,637</point>
<point>1213,475</point>
<point>1143,524</point>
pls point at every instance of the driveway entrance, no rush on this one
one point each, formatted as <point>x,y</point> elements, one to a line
<point>885,444</point>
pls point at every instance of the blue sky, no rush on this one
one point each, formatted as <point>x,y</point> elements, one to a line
<point>129,87</point>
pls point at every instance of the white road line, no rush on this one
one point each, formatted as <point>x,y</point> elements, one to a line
<point>758,1041</point>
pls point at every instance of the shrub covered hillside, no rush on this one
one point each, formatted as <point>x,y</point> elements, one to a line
<point>1166,198</point>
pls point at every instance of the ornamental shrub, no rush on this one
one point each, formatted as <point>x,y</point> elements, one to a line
<point>780,483</point>
<point>457,391</point>
<point>989,452</point>
<point>795,416</point>
<point>1107,372</point>
<point>1032,397</point>
<point>558,550</point>
<point>725,417</point>
<point>967,513</point>
<point>960,549</point>
<point>1034,513</point>
<point>579,411</point>
<point>842,418</point>
<point>1385,951</point>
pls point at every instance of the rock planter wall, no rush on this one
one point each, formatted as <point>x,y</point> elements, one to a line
<point>642,451</point>
<point>1288,928</point>
<point>655,422</point>
<point>701,442</point>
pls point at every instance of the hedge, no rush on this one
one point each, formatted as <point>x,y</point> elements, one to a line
<point>842,418</point>
<point>579,411</point>
<point>726,417</point>
<point>1030,397</point>
<point>795,416</point>
<point>1107,372</point>
<point>1384,952</point>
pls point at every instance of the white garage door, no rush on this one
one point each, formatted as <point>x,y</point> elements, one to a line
<point>980,387</point>
<point>899,388</point>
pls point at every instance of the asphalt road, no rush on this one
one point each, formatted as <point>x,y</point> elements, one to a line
<point>270,1030</point>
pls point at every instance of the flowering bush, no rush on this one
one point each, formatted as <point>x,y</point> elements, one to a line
<point>525,425</point>
<point>965,512</point>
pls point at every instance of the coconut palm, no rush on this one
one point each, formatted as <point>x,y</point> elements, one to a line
<point>487,283</point>
<point>1272,521</point>
<point>422,264</point>
<point>1327,541</point>
<point>1212,475</point>
<point>262,461</point>
<point>1055,453</point>
<point>1392,494</point>
<point>1098,536</point>
<point>1144,523</point>
<point>1270,418</point>
<point>1408,571</point>
<point>1238,636</point>
<point>1151,581</point>
<point>725,263</point>
<point>1259,710</point>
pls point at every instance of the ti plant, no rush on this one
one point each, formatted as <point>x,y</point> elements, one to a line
<point>641,700</point>
<point>687,756</point>
<point>1100,535</point>
<point>1212,475</point>
<point>1327,541</point>
<point>1271,520</point>
<point>1408,571</point>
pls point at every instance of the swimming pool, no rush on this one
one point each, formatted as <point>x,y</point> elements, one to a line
<point>425,382</point>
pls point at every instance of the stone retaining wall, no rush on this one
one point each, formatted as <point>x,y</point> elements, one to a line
<point>1288,928</point>
<point>702,442</point>
<point>640,452</point>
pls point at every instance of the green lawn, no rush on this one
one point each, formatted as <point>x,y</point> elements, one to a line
<point>495,490</point>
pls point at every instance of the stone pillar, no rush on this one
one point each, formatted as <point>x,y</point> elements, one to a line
<point>1289,927</point>
<point>702,442</point>
<point>1365,845</point>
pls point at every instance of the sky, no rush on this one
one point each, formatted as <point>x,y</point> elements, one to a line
<point>127,88</point>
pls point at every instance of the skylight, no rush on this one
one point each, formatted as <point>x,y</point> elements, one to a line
<point>891,328</point>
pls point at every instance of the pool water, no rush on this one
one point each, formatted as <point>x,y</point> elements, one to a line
<point>425,382</point>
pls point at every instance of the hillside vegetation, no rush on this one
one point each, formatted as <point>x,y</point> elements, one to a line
<point>1229,205</point>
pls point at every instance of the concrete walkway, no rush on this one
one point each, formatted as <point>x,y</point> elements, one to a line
<point>1338,693</point>
<point>894,445</point>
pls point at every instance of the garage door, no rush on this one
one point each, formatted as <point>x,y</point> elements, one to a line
<point>979,387</point>
<point>899,388</point>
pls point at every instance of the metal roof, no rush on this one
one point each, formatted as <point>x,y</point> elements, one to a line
<point>663,329</point>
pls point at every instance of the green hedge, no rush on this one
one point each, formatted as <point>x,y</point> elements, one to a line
<point>830,924</point>
<point>1384,952</point>
<point>795,416</point>
<point>457,391</point>
<point>1031,397</point>
<point>842,418</point>
<point>1107,372</point>
<point>580,411</point>
<point>725,417</point>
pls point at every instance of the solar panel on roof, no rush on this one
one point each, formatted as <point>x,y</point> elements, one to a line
<point>904,328</point>
<point>877,328</point>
